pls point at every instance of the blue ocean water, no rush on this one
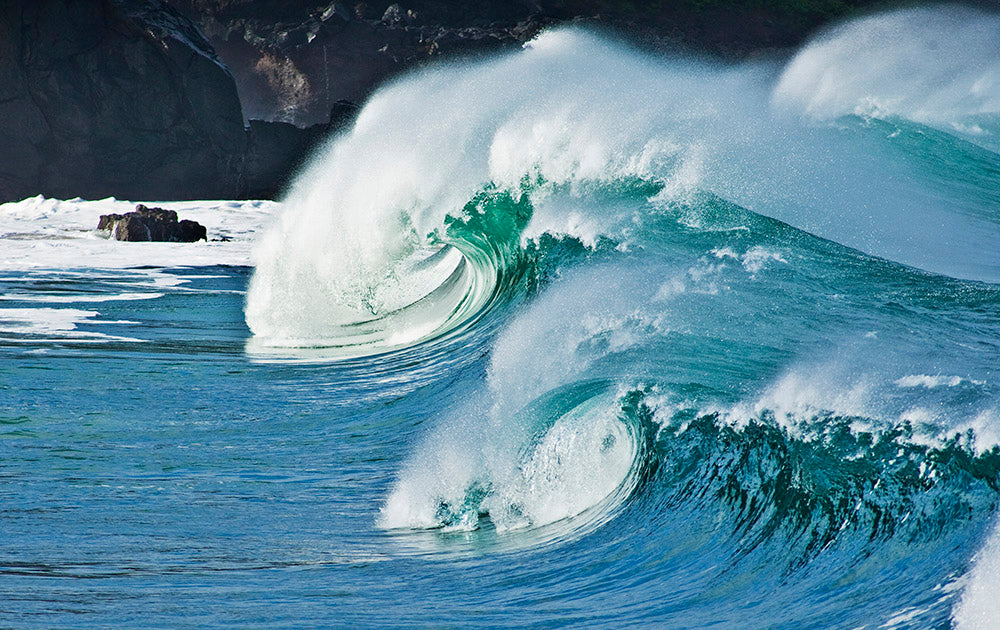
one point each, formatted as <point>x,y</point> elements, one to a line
<point>571,337</point>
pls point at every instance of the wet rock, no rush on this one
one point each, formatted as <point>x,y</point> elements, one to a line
<point>189,231</point>
<point>152,224</point>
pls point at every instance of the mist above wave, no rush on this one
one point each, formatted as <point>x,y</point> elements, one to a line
<point>573,108</point>
<point>938,65</point>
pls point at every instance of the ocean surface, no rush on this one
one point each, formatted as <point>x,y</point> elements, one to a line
<point>575,336</point>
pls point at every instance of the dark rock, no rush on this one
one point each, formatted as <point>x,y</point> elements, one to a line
<point>152,224</point>
<point>108,221</point>
<point>120,98</point>
<point>277,150</point>
<point>342,114</point>
<point>292,65</point>
<point>189,231</point>
<point>132,228</point>
<point>336,12</point>
<point>393,15</point>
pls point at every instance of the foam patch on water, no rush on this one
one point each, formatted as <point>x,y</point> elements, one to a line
<point>40,233</point>
<point>78,298</point>
<point>753,260</point>
<point>49,325</point>
<point>930,382</point>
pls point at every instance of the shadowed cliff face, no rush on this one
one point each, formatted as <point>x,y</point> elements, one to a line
<point>291,60</point>
<point>114,97</point>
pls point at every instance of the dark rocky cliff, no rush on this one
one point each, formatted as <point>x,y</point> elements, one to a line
<point>182,99</point>
<point>292,59</point>
<point>114,97</point>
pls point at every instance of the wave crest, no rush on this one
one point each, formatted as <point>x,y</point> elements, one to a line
<point>560,467</point>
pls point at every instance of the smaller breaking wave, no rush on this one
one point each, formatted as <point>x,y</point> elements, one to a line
<point>562,466</point>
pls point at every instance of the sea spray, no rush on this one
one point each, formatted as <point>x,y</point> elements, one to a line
<point>979,608</point>
<point>939,66</point>
<point>571,109</point>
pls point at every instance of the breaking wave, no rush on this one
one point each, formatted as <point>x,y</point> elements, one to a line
<point>741,316</point>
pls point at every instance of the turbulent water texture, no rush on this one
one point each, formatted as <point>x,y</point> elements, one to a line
<point>573,336</point>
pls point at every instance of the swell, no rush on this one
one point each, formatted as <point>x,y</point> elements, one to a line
<point>828,484</point>
<point>829,509</point>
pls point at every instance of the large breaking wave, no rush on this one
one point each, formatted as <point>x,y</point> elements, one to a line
<point>760,297</point>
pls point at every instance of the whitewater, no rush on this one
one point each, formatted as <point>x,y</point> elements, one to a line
<point>577,335</point>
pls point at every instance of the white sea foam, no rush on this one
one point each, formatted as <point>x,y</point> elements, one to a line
<point>47,325</point>
<point>40,233</point>
<point>753,260</point>
<point>802,394</point>
<point>847,389</point>
<point>78,298</point>
<point>930,382</point>
<point>980,606</point>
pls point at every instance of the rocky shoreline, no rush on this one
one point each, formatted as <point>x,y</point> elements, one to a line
<point>189,99</point>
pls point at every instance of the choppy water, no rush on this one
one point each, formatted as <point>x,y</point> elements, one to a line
<point>571,337</point>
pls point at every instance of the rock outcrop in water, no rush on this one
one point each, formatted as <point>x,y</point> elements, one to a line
<point>152,224</point>
<point>114,97</point>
